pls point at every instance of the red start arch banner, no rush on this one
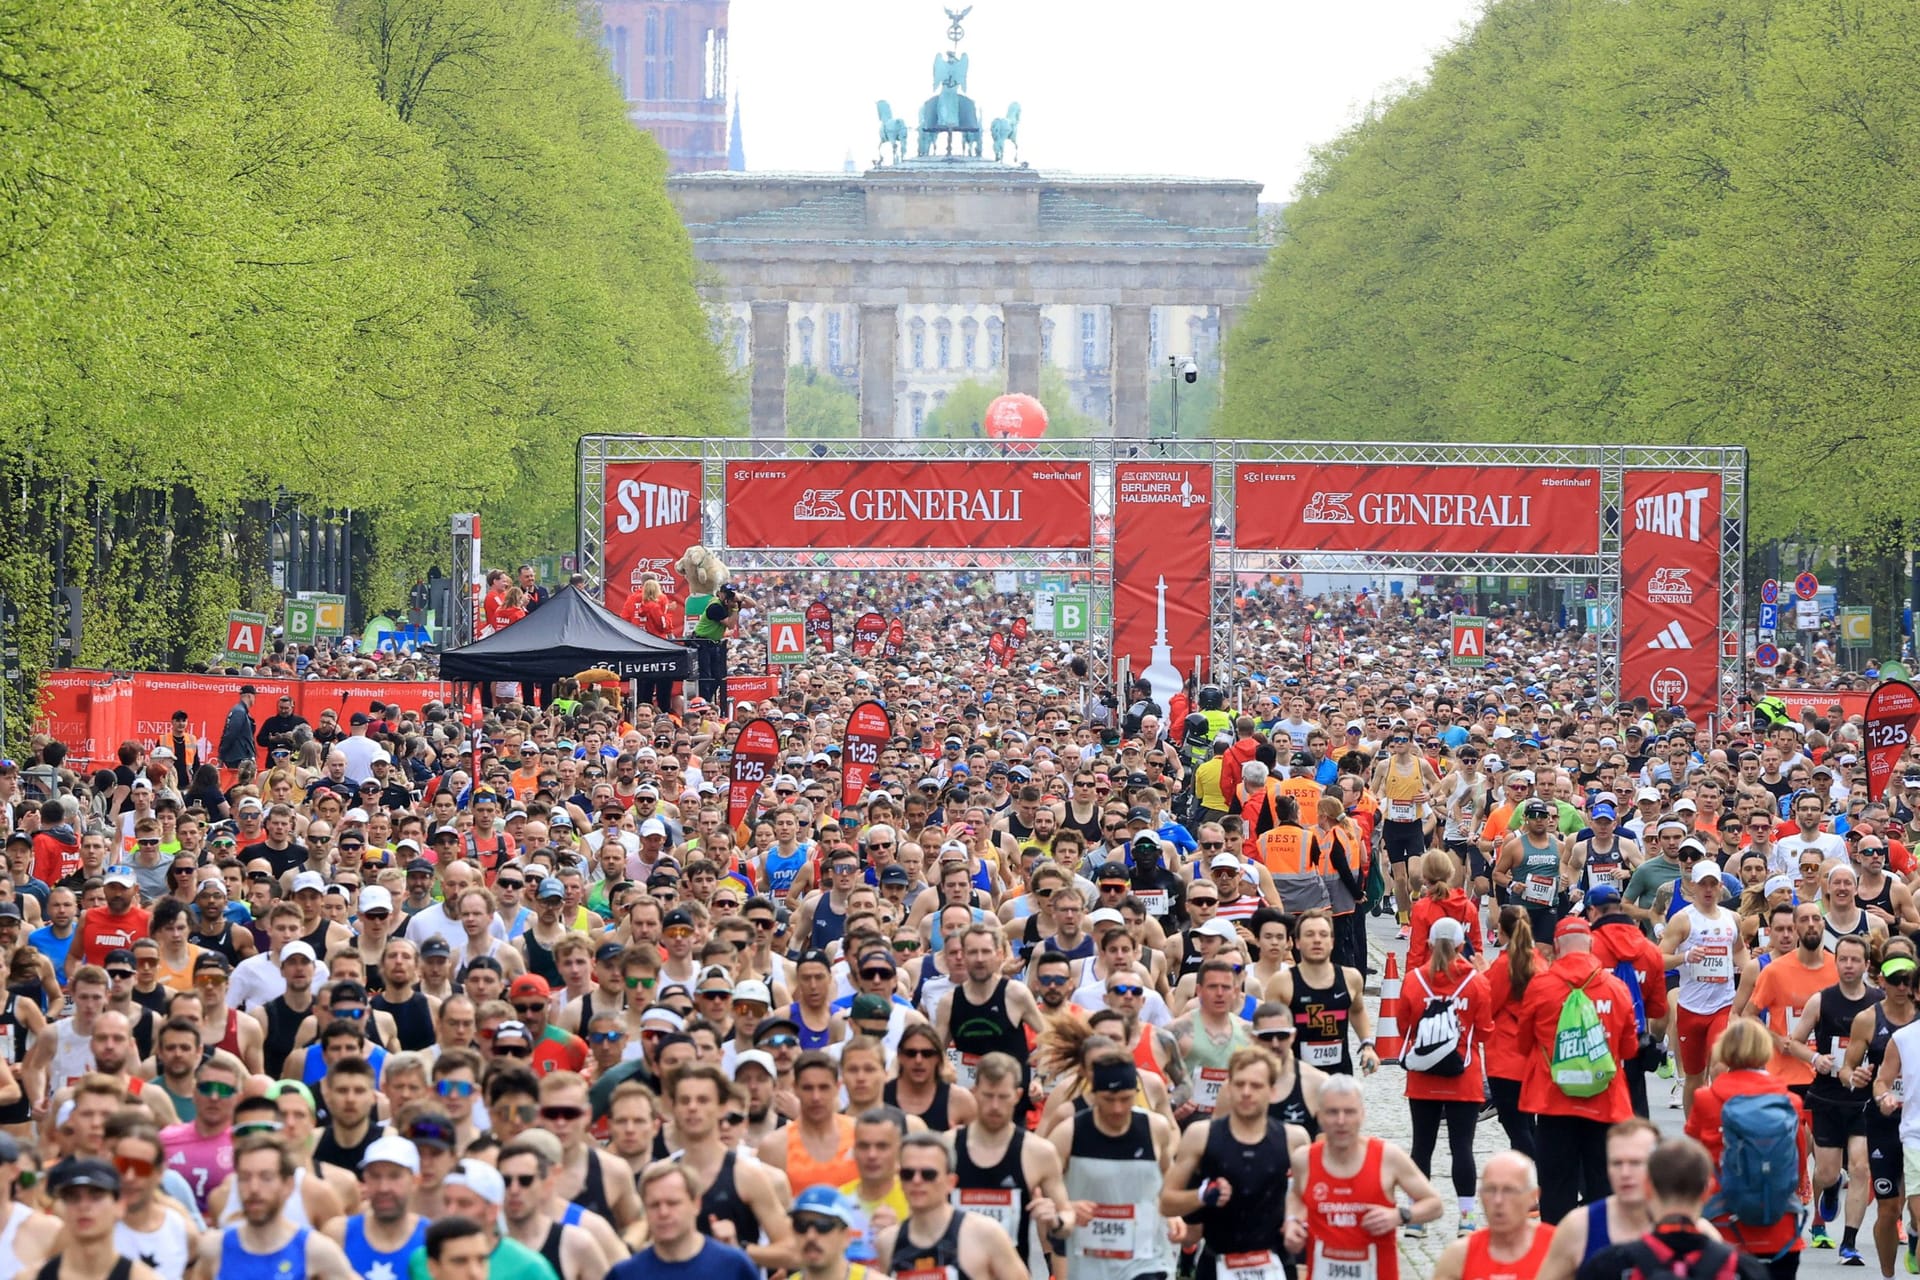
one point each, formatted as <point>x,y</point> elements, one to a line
<point>828,503</point>
<point>1417,509</point>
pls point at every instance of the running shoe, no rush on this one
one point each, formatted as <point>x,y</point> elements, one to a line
<point>1850,1257</point>
<point>1406,933</point>
<point>1818,1237</point>
<point>1666,1068</point>
<point>1469,1223</point>
<point>1829,1206</point>
<point>1913,1253</point>
<point>1414,1231</point>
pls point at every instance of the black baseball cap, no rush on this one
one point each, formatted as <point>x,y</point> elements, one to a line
<point>83,1173</point>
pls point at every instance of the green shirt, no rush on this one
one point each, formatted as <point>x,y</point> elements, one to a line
<point>1647,880</point>
<point>511,1260</point>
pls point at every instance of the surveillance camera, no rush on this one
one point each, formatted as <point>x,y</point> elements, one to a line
<point>1189,371</point>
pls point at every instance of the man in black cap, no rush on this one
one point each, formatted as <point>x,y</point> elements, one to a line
<point>86,1196</point>
<point>236,736</point>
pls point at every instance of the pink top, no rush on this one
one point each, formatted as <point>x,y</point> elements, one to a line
<point>205,1162</point>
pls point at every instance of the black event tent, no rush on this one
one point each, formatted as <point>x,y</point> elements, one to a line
<point>568,634</point>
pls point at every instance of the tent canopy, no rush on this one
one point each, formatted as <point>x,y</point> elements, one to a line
<point>565,636</point>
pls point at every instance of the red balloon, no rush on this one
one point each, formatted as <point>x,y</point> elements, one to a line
<point>1016,417</point>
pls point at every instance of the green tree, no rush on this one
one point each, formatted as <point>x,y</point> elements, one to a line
<point>1649,221</point>
<point>962,415</point>
<point>820,406</point>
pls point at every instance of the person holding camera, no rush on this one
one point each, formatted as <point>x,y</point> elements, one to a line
<point>713,621</point>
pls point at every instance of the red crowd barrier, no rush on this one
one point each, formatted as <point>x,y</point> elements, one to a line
<point>1851,703</point>
<point>93,712</point>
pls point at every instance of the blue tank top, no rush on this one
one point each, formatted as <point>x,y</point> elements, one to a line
<point>828,925</point>
<point>366,1259</point>
<point>288,1262</point>
<point>809,1038</point>
<point>782,870</point>
<point>1597,1237</point>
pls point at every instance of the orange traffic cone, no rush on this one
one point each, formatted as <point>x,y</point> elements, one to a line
<point>1387,1036</point>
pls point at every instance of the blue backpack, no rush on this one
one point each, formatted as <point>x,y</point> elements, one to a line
<point>1760,1162</point>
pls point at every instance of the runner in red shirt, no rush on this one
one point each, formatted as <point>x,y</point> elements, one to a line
<point>1433,1097</point>
<point>1351,1226</point>
<point>1513,1245</point>
<point>114,927</point>
<point>1742,1054</point>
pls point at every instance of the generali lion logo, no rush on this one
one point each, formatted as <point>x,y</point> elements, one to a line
<point>819,504</point>
<point>1670,586</point>
<point>1327,507</point>
<point>661,569</point>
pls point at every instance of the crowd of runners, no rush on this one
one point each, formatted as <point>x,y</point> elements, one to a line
<point>1084,982</point>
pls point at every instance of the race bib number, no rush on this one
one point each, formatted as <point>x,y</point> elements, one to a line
<point>1715,964</point>
<point>1323,1053</point>
<point>1840,1044</point>
<point>966,1067</point>
<point>1342,1264</point>
<point>6,1044</point>
<point>1154,900</point>
<point>1261,1265</point>
<point>1001,1204</point>
<point>1793,1019</point>
<point>1899,1092</point>
<point>1207,1086</point>
<point>1109,1233</point>
<point>1540,890</point>
<point>1402,811</point>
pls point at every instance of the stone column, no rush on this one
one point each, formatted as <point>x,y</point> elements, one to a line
<point>767,412</point>
<point>1020,331</point>
<point>1224,318</point>
<point>1132,379</point>
<point>879,336</point>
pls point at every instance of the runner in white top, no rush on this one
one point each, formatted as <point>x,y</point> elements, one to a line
<point>1809,808</point>
<point>1707,942</point>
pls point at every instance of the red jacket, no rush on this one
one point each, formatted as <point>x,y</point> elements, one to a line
<point>1618,938</point>
<point>1426,911</point>
<point>1703,1125</point>
<point>1503,1060</point>
<point>1231,764</point>
<point>1540,1021</point>
<point>56,854</point>
<point>1475,1012</point>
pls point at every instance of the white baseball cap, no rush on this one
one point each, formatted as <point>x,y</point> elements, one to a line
<point>298,950</point>
<point>480,1178</point>
<point>1217,928</point>
<point>309,880</point>
<point>376,898</point>
<point>1220,860</point>
<point>393,1149</point>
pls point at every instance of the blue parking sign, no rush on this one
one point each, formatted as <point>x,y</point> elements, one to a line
<point>1769,617</point>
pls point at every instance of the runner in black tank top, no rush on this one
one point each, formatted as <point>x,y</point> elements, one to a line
<point>412,1020</point>
<point>1320,1017</point>
<point>1251,1222</point>
<point>1885,1155</point>
<point>976,1030</point>
<point>1292,1109</point>
<point>221,942</point>
<point>550,1247</point>
<point>329,1151</point>
<point>593,1188</point>
<point>540,960</point>
<point>940,1257</point>
<point>936,1113</point>
<point>1008,1174</point>
<point>122,1270</point>
<point>13,1046</point>
<point>283,1024</point>
<point>1882,899</point>
<point>721,1202</point>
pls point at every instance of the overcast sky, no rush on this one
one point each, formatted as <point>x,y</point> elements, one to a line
<point>1216,88</point>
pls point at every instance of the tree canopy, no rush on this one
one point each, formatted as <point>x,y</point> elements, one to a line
<point>393,255</point>
<point>1619,221</point>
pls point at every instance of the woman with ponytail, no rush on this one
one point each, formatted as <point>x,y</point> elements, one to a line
<point>1440,900</point>
<point>1507,978</point>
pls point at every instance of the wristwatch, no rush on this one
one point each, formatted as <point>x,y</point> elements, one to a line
<point>1406,1216</point>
